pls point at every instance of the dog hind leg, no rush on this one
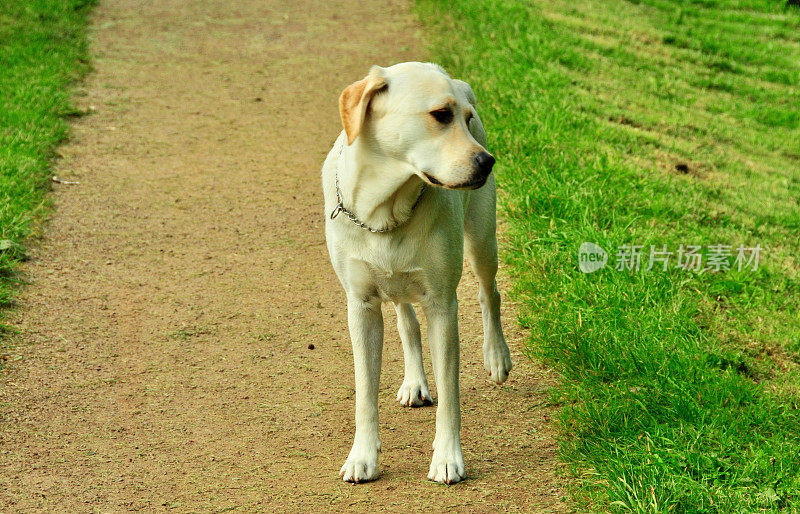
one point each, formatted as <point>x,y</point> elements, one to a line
<point>414,392</point>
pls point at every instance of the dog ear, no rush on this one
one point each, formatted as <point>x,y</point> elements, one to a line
<point>475,124</point>
<point>354,101</point>
<point>463,86</point>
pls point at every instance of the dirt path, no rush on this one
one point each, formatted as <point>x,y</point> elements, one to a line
<point>166,339</point>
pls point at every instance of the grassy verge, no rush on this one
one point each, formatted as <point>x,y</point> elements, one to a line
<point>43,51</point>
<point>651,122</point>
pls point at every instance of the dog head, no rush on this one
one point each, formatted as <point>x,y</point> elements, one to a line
<point>415,113</point>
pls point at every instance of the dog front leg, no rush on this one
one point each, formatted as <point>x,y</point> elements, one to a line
<point>366,332</point>
<point>447,465</point>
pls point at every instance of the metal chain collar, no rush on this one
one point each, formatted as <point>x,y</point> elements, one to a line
<point>351,215</point>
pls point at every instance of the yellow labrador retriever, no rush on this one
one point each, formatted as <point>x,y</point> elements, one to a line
<point>408,191</point>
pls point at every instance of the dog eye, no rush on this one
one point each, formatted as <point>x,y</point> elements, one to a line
<point>469,118</point>
<point>443,116</point>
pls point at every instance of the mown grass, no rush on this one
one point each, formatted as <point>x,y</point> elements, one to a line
<point>43,50</point>
<point>651,122</point>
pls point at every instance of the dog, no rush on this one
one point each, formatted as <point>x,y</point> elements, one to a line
<point>409,191</point>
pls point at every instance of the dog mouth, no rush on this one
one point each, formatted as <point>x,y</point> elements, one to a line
<point>472,184</point>
<point>432,179</point>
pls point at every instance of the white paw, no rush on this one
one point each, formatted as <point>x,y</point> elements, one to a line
<point>447,465</point>
<point>414,394</point>
<point>497,361</point>
<point>361,466</point>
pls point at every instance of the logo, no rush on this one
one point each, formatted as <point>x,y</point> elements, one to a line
<point>591,257</point>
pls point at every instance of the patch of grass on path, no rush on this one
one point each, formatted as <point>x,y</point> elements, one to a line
<point>651,122</point>
<point>43,50</point>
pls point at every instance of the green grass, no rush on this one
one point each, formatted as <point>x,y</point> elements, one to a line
<point>43,50</point>
<point>650,122</point>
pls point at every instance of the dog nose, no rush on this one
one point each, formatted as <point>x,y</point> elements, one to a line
<point>484,162</point>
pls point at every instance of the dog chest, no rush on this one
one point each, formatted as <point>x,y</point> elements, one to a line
<point>397,286</point>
